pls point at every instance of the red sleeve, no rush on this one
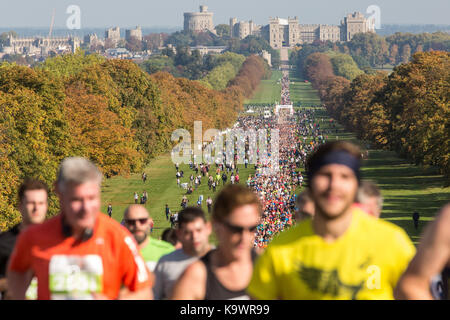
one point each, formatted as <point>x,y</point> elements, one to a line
<point>135,275</point>
<point>20,260</point>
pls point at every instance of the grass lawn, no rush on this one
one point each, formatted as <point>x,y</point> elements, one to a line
<point>268,90</point>
<point>387,68</point>
<point>302,92</point>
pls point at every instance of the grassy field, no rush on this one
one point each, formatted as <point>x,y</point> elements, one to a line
<point>387,68</point>
<point>268,91</point>
<point>302,92</point>
<point>162,189</point>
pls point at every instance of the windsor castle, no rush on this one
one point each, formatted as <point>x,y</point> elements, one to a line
<point>284,32</point>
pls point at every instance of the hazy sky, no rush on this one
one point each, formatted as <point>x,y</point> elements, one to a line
<point>169,13</point>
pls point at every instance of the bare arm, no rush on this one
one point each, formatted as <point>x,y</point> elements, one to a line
<point>3,284</point>
<point>18,283</point>
<point>143,294</point>
<point>432,256</point>
<point>192,283</point>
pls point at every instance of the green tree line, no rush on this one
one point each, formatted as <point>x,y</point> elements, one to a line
<point>370,50</point>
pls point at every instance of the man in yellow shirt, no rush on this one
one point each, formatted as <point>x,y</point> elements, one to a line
<point>342,253</point>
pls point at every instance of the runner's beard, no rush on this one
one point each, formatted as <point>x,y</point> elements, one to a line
<point>140,237</point>
<point>328,217</point>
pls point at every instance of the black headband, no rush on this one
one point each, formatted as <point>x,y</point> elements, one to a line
<point>336,157</point>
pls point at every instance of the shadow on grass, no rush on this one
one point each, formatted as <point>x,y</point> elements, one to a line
<point>408,226</point>
<point>391,172</point>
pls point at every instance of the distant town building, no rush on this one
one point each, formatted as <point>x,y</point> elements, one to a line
<point>118,53</point>
<point>113,34</point>
<point>199,21</point>
<point>355,23</point>
<point>267,56</point>
<point>40,45</point>
<point>133,33</point>
<point>209,49</point>
<point>92,40</point>
<point>242,29</point>
<point>288,32</point>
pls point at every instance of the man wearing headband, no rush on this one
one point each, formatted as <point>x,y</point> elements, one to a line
<point>342,253</point>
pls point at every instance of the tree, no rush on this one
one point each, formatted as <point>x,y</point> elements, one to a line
<point>372,46</point>
<point>357,110</point>
<point>218,78</point>
<point>180,38</point>
<point>4,37</point>
<point>406,53</point>
<point>203,38</point>
<point>333,95</point>
<point>158,63</point>
<point>67,65</point>
<point>98,134</point>
<point>223,30</point>
<point>109,44</point>
<point>417,96</point>
<point>18,59</point>
<point>182,57</point>
<point>154,41</point>
<point>344,65</point>
<point>393,54</point>
<point>318,68</point>
<point>134,44</point>
<point>419,48</point>
<point>168,52</point>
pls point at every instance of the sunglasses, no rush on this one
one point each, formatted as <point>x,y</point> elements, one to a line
<point>133,221</point>
<point>238,229</point>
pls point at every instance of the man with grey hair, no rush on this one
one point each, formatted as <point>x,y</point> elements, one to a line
<point>80,253</point>
<point>369,198</point>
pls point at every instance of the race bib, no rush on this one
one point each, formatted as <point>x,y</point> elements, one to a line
<point>32,290</point>
<point>75,277</point>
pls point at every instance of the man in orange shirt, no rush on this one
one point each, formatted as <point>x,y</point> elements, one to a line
<point>80,253</point>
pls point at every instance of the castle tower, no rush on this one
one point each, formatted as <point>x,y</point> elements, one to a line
<point>199,21</point>
<point>136,33</point>
<point>233,22</point>
<point>355,23</point>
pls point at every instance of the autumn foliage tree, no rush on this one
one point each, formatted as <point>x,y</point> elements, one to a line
<point>417,99</point>
<point>407,111</point>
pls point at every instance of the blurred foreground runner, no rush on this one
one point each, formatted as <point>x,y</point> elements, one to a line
<point>193,232</point>
<point>33,205</point>
<point>369,198</point>
<point>225,272</point>
<point>432,258</point>
<point>304,206</point>
<point>342,253</point>
<point>80,253</point>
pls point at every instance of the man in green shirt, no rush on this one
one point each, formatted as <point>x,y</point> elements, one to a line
<point>139,223</point>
